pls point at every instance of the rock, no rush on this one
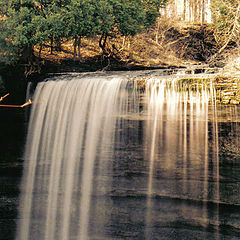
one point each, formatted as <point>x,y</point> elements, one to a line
<point>233,67</point>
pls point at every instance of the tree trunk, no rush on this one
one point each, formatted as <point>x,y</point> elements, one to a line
<point>157,30</point>
<point>30,61</point>
<point>195,5</point>
<point>75,47</point>
<point>58,45</point>
<point>103,41</point>
<point>51,47</point>
<point>79,46</point>
<point>40,51</point>
<point>203,12</point>
<point>27,54</point>
<point>123,42</point>
<point>184,10</point>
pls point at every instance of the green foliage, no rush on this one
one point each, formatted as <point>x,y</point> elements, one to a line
<point>127,20</point>
<point>80,18</point>
<point>104,16</point>
<point>7,52</point>
<point>27,23</point>
<point>17,31</point>
<point>152,10</point>
<point>155,3</point>
<point>126,17</point>
<point>3,7</point>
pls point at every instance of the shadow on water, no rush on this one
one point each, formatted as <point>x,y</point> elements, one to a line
<point>12,138</point>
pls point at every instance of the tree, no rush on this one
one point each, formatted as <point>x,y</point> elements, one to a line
<point>124,17</point>
<point>81,22</point>
<point>17,28</point>
<point>51,22</point>
<point>226,19</point>
<point>3,7</point>
<point>27,23</point>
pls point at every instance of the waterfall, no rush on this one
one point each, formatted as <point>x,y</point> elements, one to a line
<point>70,130</point>
<point>88,133</point>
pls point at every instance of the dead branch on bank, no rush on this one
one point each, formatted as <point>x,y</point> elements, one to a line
<point>4,97</point>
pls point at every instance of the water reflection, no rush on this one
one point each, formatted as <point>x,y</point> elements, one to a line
<point>196,200</point>
<point>181,192</point>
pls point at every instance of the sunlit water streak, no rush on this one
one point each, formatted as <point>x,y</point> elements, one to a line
<point>177,129</point>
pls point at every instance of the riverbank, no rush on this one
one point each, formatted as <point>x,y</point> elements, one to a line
<point>168,45</point>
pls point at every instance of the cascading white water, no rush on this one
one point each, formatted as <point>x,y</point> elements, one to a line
<point>71,128</point>
<point>176,137</point>
<point>75,128</point>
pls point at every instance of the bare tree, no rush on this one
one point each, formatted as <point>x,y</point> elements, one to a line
<point>234,29</point>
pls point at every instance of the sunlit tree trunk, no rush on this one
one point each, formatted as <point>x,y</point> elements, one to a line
<point>157,31</point>
<point>40,51</point>
<point>195,10</point>
<point>75,44</point>
<point>184,10</point>
<point>203,12</point>
<point>51,46</point>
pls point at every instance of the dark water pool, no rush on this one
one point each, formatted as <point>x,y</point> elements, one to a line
<point>12,131</point>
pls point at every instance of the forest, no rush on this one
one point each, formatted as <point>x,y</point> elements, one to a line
<point>28,23</point>
<point>145,33</point>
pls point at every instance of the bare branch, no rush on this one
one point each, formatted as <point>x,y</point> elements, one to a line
<point>234,28</point>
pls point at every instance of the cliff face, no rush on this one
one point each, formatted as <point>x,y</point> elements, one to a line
<point>228,82</point>
<point>233,66</point>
